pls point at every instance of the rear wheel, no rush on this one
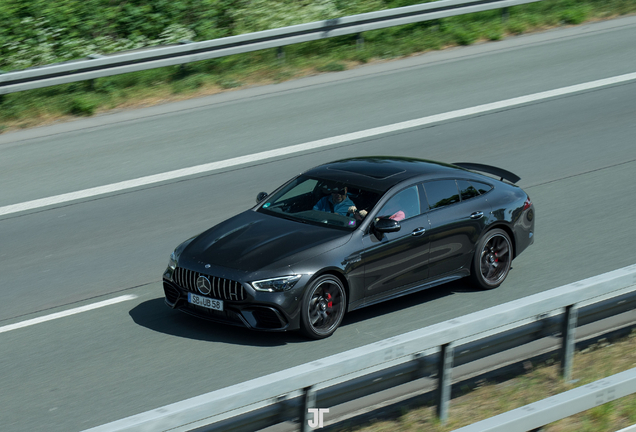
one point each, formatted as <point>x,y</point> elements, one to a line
<point>492,260</point>
<point>323,307</point>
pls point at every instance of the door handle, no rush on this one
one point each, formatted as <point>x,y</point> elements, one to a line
<point>418,231</point>
<point>477,215</point>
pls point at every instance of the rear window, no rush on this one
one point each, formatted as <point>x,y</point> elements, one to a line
<point>467,190</point>
<point>481,187</point>
<point>441,193</point>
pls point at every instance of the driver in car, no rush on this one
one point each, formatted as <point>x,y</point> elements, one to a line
<point>338,202</point>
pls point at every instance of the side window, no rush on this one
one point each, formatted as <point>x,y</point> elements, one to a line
<point>441,193</point>
<point>403,205</point>
<point>481,187</point>
<point>467,190</point>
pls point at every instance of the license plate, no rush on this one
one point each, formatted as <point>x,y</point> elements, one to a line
<point>205,302</point>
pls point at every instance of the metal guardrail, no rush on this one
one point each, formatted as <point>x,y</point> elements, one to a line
<point>104,66</point>
<point>292,392</point>
<point>536,415</point>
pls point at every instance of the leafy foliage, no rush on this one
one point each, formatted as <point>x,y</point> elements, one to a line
<point>38,32</point>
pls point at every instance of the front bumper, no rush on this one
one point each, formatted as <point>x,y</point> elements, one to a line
<point>249,312</point>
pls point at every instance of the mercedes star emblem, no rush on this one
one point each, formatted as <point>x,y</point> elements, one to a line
<point>203,285</point>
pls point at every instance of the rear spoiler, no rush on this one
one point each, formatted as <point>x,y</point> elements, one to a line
<point>499,172</point>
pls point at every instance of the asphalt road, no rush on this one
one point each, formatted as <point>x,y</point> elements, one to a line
<point>576,156</point>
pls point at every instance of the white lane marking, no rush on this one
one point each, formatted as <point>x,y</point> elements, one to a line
<point>213,166</point>
<point>67,313</point>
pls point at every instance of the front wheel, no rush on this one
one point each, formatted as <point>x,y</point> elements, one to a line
<point>492,260</point>
<point>323,307</point>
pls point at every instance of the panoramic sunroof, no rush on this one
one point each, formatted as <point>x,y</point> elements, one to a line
<point>377,170</point>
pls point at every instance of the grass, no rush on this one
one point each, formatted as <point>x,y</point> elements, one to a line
<point>489,399</point>
<point>139,89</point>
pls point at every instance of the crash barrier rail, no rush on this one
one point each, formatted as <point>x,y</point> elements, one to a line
<point>536,415</point>
<point>301,391</point>
<point>102,66</point>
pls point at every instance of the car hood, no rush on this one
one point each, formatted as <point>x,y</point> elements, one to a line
<point>254,241</point>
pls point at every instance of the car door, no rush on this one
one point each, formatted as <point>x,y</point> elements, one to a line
<point>458,215</point>
<point>397,260</point>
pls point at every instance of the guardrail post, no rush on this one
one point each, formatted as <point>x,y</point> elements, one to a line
<point>567,341</point>
<point>2,95</point>
<point>309,401</point>
<point>280,54</point>
<point>505,14</point>
<point>444,372</point>
<point>359,41</point>
<point>283,412</point>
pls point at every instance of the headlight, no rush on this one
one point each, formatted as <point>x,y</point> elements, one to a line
<point>172,263</point>
<point>174,256</point>
<point>277,284</point>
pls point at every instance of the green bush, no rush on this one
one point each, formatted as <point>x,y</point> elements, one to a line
<point>228,83</point>
<point>331,67</point>
<point>361,56</point>
<point>10,110</point>
<point>105,85</point>
<point>188,84</point>
<point>494,32</point>
<point>464,36</point>
<point>516,25</point>
<point>80,106</point>
<point>575,15</point>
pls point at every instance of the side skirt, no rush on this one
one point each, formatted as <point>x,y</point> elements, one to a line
<point>399,292</point>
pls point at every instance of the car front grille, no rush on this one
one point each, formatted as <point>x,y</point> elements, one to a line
<point>222,289</point>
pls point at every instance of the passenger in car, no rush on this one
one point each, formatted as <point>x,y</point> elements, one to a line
<point>359,215</point>
<point>338,202</point>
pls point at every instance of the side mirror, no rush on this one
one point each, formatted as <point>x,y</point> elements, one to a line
<point>386,225</point>
<point>261,196</point>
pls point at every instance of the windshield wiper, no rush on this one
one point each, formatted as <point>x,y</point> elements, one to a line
<point>291,218</point>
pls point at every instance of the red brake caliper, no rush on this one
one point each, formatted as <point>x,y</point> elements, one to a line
<point>330,304</point>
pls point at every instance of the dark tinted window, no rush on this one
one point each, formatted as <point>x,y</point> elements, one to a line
<point>441,193</point>
<point>481,187</point>
<point>404,205</point>
<point>467,190</point>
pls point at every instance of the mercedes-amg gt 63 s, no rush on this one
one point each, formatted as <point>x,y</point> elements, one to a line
<point>350,234</point>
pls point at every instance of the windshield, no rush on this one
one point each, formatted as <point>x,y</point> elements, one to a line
<point>321,202</point>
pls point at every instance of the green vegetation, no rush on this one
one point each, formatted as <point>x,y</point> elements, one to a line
<point>541,381</point>
<point>37,32</point>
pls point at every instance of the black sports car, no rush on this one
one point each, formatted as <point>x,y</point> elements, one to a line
<point>349,234</point>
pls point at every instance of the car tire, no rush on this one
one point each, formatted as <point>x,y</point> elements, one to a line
<point>324,305</point>
<point>492,259</point>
